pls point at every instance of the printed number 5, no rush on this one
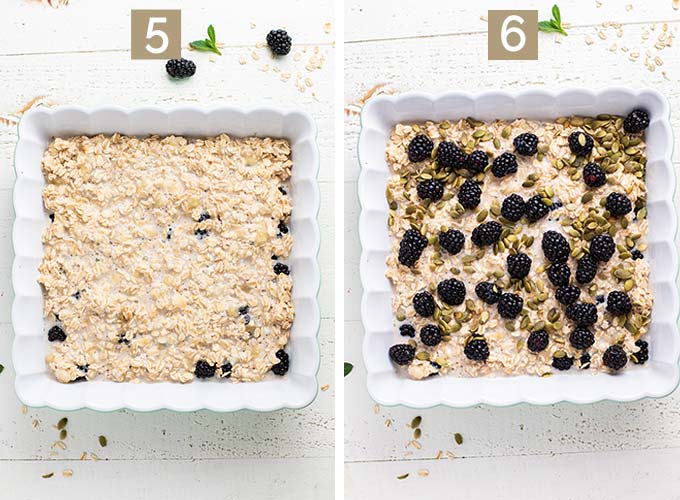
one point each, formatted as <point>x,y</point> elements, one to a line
<point>151,33</point>
<point>507,31</point>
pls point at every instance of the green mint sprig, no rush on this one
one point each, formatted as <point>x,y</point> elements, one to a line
<point>348,368</point>
<point>209,44</point>
<point>555,24</point>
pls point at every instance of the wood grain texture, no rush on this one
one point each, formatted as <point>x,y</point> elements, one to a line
<point>521,451</point>
<point>165,453</point>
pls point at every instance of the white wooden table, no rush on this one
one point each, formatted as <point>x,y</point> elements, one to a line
<point>600,451</point>
<point>79,54</point>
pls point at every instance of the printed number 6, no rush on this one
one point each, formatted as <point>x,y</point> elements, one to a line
<point>151,33</point>
<point>506,32</point>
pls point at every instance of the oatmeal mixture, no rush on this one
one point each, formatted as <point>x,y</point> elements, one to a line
<point>165,258</point>
<point>518,247</point>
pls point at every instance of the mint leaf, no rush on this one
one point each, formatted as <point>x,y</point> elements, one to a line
<point>556,15</point>
<point>201,45</point>
<point>211,33</point>
<point>2,368</point>
<point>555,24</point>
<point>348,368</point>
<point>209,44</point>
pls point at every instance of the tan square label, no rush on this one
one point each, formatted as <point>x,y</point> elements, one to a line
<point>156,34</point>
<point>513,34</point>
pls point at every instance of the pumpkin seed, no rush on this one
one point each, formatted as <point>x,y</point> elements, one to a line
<point>622,274</point>
<point>62,423</point>
<point>417,433</point>
<point>423,356</point>
<point>459,439</point>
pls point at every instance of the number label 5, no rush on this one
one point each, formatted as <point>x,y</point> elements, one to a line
<point>156,34</point>
<point>513,34</point>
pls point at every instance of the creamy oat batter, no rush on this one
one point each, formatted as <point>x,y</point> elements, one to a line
<point>161,254</point>
<point>556,174</point>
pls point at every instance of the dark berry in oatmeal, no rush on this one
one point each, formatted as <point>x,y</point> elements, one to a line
<point>535,209</point>
<point>420,148</point>
<point>504,164</point>
<point>281,269</point>
<point>555,247</point>
<point>281,368</point>
<point>614,357</point>
<point>618,204</point>
<point>559,274</point>
<point>526,144</point>
<point>423,303</point>
<point>580,143</point>
<point>204,369</point>
<point>568,294</point>
<point>582,313</point>
<point>452,241</point>
<point>430,335</point>
<point>411,246</point>
<point>618,303</point>
<point>407,330</point>
<point>641,356</point>
<point>519,265</point>
<point>478,161</point>
<point>510,305</point>
<point>488,292</point>
<point>476,348</point>
<point>451,156</point>
<point>226,370</point>
<point>451,291</point>
<point>513,207</point>
<point>538,340</point>
<point>593,175</point>
<point>430,189</point>
<point>602,247</point>
<point>486,233</point>
<point>581,338</point>
<point>56,334</point>
<point>636,121</point>
<point>561,361</point>
<point>402,354</point>
<point>469,194</point>
<point>586,269</point>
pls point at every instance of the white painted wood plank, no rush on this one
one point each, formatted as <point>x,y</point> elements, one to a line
<point>389,19</point>
<point>94,26</point>
<point>282,479</point>
<point>648,474</point>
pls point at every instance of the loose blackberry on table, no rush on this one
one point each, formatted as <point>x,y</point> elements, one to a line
<point>180,68</point>
<point>279,42</point>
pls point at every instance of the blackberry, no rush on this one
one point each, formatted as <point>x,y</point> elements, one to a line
<point>580,143</point>
<point>593,175</point>
<point>478,161</point>
<point>581,338</point>
<point>561,361</point>
<point>281,368</point>
<point>469,194</point>
<point>585,361</point>
<point>476,348</point>
<point>450,156</point>
<point>420,148</point>
<point>618,204</point>
<point>636,254</point>
<point>451,291</point>
<point>486,233</point>
<point>526,144</point>
<point>411,246</point>
<point>504,164</point>
<point>423,303</point>
<point>559,274</point>
<point>203,217</point>
<point>640,357</point>
<point>488,292</point>
<point>226,369</point>
<point>618,303</point>
<point>510,305</point>
<point>283,229</point>
<point>636,121</point>
<point>180,68</point>
<point>452,241</point>
<point>56,334</point>
<point>567,295</point>
<point>602,247</point>
<point>519,265</point>
<point>243,310</point>
<point>204,369</point>
<point>537,341</point>
<point>586,269</point>
<point>281,269</point>
<point>279,42</point>
<point>555,247</point>
<point>513,207</point>
<point>536,209</point>
<point>407,330</point>
<point>402,354</point>
<point>582,313</point>
<point>599,299</point>
<point>430,189</point>
<point>430,335</point>
<point>614,357</point>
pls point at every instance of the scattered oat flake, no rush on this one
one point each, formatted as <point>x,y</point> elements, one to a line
<point>602,35</point>
<point>629,7</point>
<point>24,409</point>
<point>423,472</point>
<point>35,423</point>
<point>260,45</point>
<point>376,408</point>
<point>327,27</point>
<point>619,33</point>
<point>408,454</point>
<point>252,26</point>
<point>93,457</point>
<point>309,82</point>
<point>242,60</point>
<point>589,40</point>
<point>212,59</point>
<point>598,4</point>
<point>417,445</point>
<point>665,75</point>
<point>285,76</point>
<point>265,68</point>
<point>325,387</point>
<point>484,18</point>
<point>676,4</point>
<point>613,48</point>
<point>67,473</point>
<point>221,45</point>
<point>658,61</point>
<point>297,56</point>
<point>83,456</point>
<point>450,455</point>
<point>403,476</point>
<point>439,455</point>
<point>48,475</point>
<point>59,444</point>
<point>388,422</point>
<point>255,55</point>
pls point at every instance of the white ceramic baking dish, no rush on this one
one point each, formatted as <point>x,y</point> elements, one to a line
<point>34,384</point>
<point>657,378</point>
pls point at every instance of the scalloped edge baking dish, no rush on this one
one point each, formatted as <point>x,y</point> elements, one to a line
<point>34,385</point>
<point>659,377</point>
